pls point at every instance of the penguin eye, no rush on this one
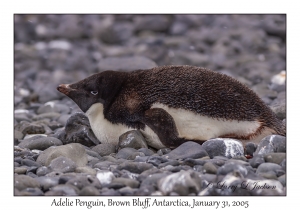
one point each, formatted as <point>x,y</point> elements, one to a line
<point>94,92</point>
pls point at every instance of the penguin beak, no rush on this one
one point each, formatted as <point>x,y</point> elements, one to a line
<point>64,88</point>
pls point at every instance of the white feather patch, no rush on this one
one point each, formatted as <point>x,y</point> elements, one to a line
<point>107,132</point>
<point>195,126</point>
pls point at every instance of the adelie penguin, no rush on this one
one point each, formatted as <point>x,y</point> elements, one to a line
<point>171,105</point>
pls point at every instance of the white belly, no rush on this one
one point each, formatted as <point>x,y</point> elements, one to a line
<point>107,132</point>
<point>195,126</point>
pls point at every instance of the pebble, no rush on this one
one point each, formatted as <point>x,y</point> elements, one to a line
<point>272,143</point>
<point>156,160</point>
<point>153,179</point>
<point>22,182</point>
<point>210,168</point>
<point>164,151</point>
<point>231,167</point>
<point>223,147</point>
<point>127,191</point>
<point>194,151</point>
<point>63,190</point>
<point>47,183</point>
<point>282,180</point>
<point>31,192</point>
<point>43,170</point>
<point>105,177</point>
<point>30,128</point>
<point>125,182</point>
<point>256,161</point>
<point>125,153</point>
<point>62,164</point>
<point>268,167</point>
<point>20,170</point>
<point>279,110</point>
<point>78,130</point>
<point>39,142</point>
<point>275,157</point>
<point>18,135</point>
<point>182,183</point>
<point>84,180</point>
<point>73,151</point>
<point>133,139</point>
<point>134,167</point>
<point>86,170</point>
<point>104,149</point>
<point>250,148</point>
<point>89,191</point>
<point>146,151</point>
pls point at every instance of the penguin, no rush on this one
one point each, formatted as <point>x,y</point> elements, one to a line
<point>171,105</point>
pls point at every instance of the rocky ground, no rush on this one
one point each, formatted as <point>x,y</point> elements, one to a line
<point>55,150</point>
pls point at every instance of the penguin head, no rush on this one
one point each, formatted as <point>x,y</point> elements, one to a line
<point>98,88</point>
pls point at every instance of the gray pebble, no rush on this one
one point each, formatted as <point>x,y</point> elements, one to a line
<point>182,183</point>
<point>92,153</point>
<point>63,190</point>
<point>283,164</point>
<point>43,170</point>
<point>109,192</point>
<point>134,155</point>
<point>267,167</point>
<point>80,181</point>
<point>279,110</point>
<point>223,147</point>
<point>125,152</point>
<point>21,170</point>
<point>282,180</point>
<point>103,165</point>
<point>31,192</point>
<point>141,159</point>
<point>187,150</point>
<point>62,164</point>
<point>134,167</point>
<point>30,128</point>
<point>256,160</point>
<point>273,143</point>
<point>74,152</point>
<point>40,142</point>
<point>125,182</point>
<point>170,162</point>
<point>146,151</point>
<point>231,167</point>
<point>86,170</point>
<point>89,191</point>
<point>250,148</point>
<point>133,139</point>
<point>18,135</point>
<point>78,130</point>
<point>127,191</point>
<point>156,160</point>
<point>50,115</point>
<point>153,179</point>
<point>209,168</point>
<point>164,151</point>
<point>47,182</point>
<point>104,149</point>
<point>275,157</point>
<point>22,182</point>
